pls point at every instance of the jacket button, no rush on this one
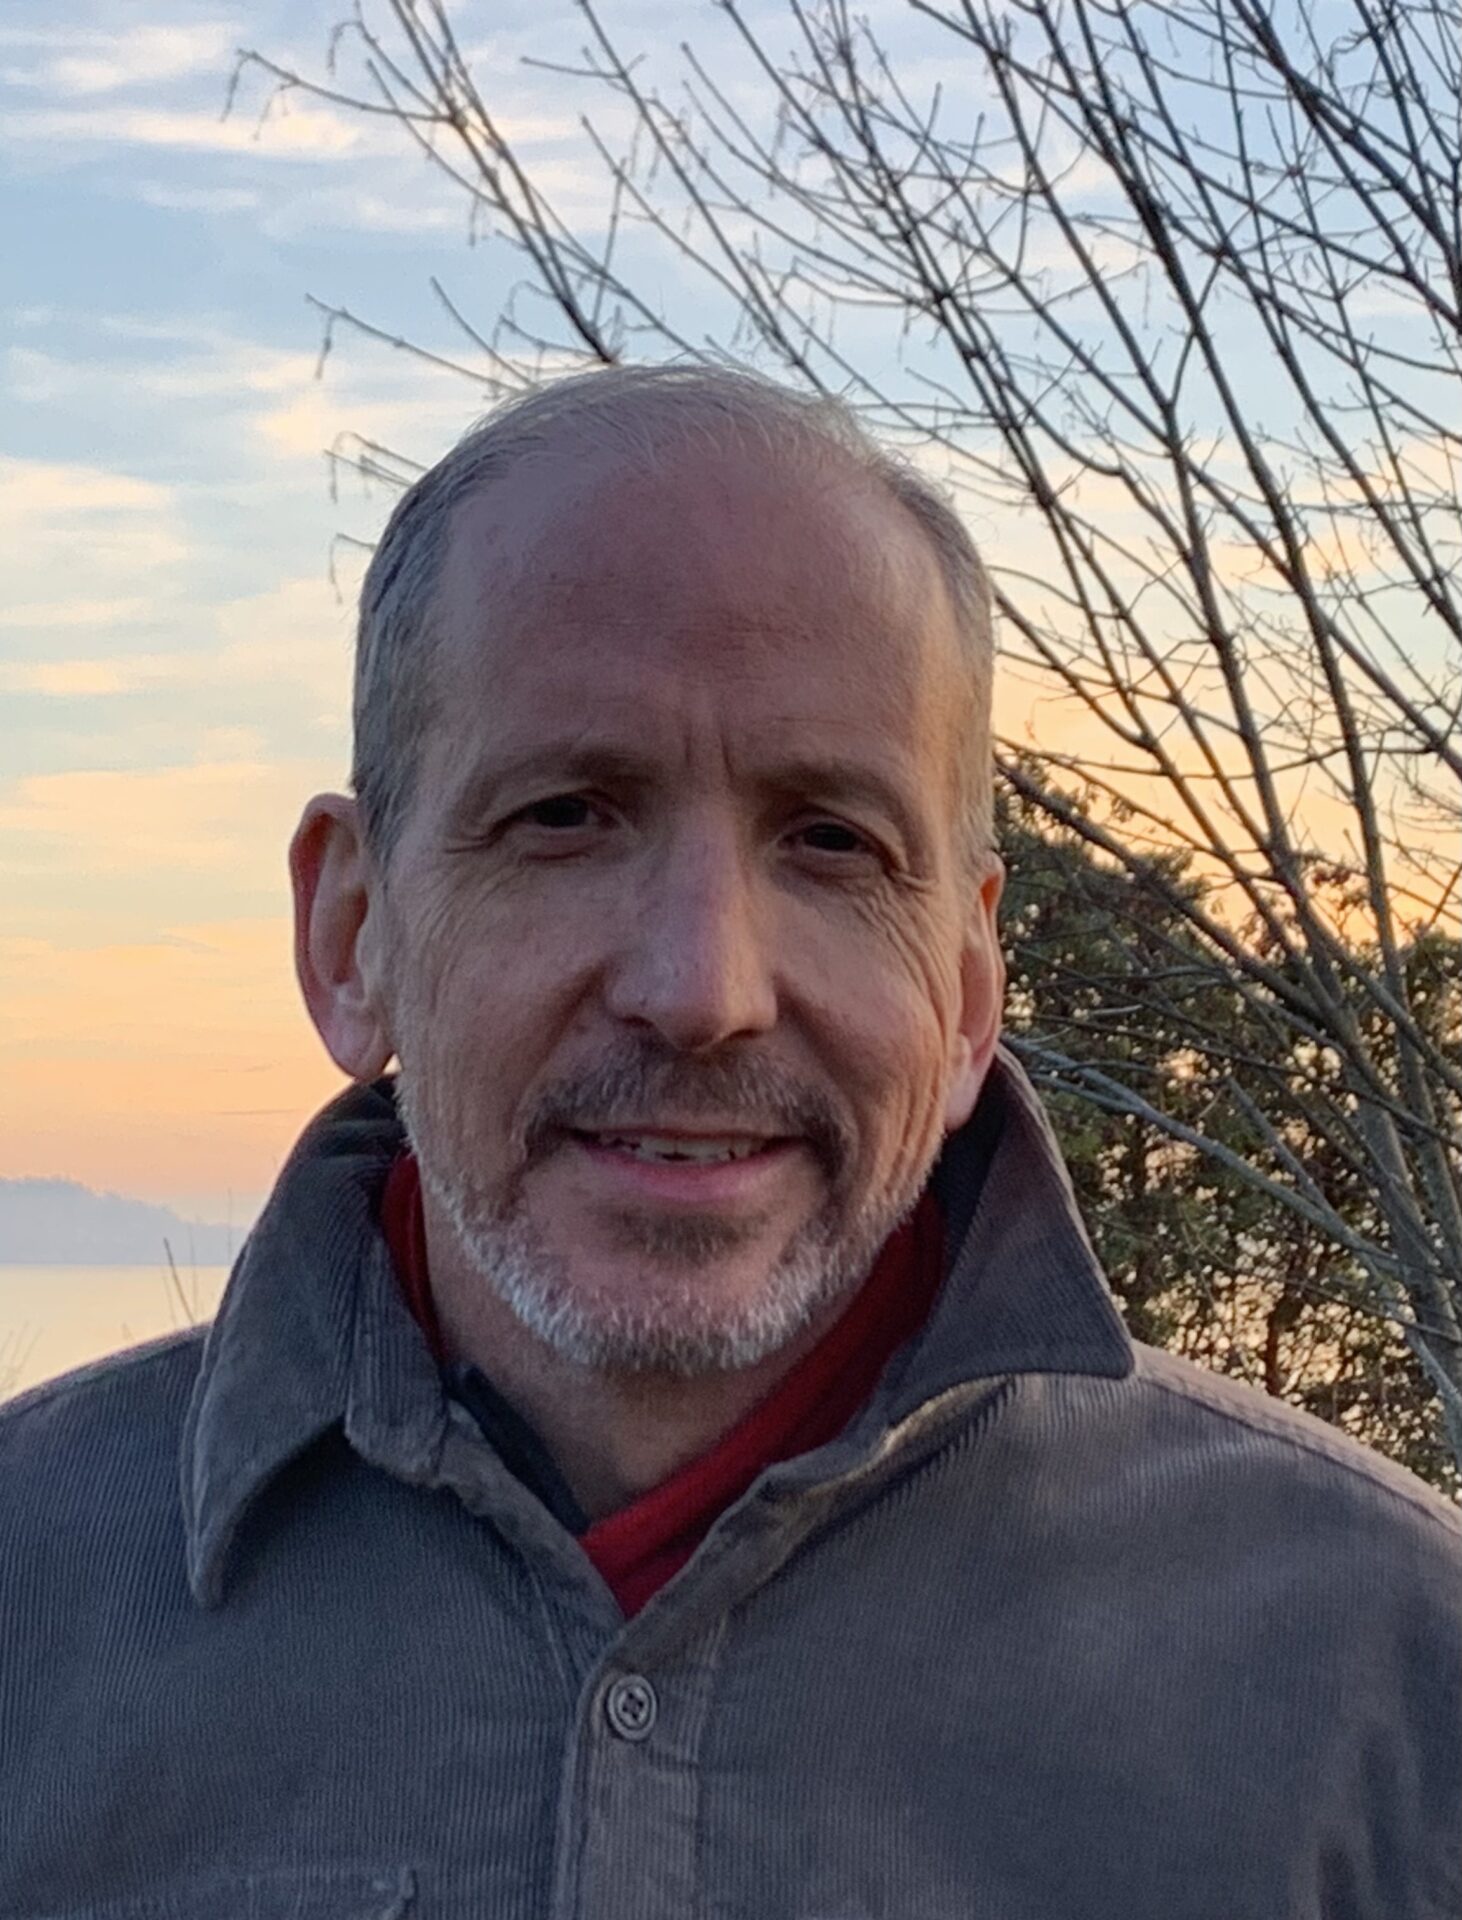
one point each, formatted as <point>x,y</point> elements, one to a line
<point>630,1706</point>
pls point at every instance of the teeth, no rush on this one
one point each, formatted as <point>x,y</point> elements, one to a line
<point>649,1146</point>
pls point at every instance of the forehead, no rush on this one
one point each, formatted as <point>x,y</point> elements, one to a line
<point>785,602</point>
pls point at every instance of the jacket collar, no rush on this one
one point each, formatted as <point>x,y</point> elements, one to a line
<point>1024,1292</point>
<point>313,1333</point>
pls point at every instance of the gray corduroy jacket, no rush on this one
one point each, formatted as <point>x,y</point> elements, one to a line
<point>1060,1628</point>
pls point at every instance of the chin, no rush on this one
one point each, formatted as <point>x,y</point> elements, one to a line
<point>711,1318</point>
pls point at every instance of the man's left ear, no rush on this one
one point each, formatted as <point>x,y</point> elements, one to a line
<point>982,988</point>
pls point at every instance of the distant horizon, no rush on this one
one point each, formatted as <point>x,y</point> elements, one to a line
<point>236,1207</point>
<point>52,1221</point>
<point>102,1193</point>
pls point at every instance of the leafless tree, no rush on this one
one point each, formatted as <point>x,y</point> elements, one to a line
<point>1170,293</point>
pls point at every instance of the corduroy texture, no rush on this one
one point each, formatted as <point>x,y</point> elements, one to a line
<point>1059,1629</point>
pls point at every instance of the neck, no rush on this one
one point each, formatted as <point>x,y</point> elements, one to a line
<point>612,1435</point>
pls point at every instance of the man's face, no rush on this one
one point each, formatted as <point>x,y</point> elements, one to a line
<point>680,881</point>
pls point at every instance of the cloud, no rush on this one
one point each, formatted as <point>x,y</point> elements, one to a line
<point>222,818</point>
<point>192,360</point>
<point>37,489</point>
<point>32,377</point>
<point>288,133</point>
<point>160,193</point>
<point>41,615</point>
<point>185,361</point>
<point>68,678</point>
<point>82,62</point>
<point>292,639</point>
<point>296,634</point>
<point>227,369</point>
<point>107,540</point>
<point>118,582</point>
<point>331,210</point>
<point>420,418</point>
<point>111,537</point>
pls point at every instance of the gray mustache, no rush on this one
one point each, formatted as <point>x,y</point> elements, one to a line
<point>755,1096</point>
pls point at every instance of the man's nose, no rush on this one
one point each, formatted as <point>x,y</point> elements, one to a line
<point>694,960</point>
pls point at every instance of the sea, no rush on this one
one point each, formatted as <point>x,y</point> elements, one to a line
<point>56,1318</point>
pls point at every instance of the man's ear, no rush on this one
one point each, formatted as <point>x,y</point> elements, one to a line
<point>982,984</point>
<point>337,935</point>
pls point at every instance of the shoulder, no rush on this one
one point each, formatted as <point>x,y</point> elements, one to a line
<point>137,1374</point>
<point>1268,1449</point>
<point>74,1442</point>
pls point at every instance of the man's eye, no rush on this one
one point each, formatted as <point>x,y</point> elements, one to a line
<point>834,837</point>
<point>561,811</point>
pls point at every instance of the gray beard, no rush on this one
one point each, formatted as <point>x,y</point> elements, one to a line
<point>671,1327</point>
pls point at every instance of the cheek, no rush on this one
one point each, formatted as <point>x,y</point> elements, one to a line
<point>915,979</point>
<point>897,1013</point>
<point>481,1001</point>
<point>425,961</point>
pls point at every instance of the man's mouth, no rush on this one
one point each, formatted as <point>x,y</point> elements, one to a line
<point>701,1150</point>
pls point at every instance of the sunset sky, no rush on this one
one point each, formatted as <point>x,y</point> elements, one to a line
<point>173,656</point>
<point>175,636</point>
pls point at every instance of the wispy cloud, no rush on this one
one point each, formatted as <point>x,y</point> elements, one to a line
<point>294,133</point>
<point>120,583</point>
<point>193,360</point>
<point>220,817</point>
<point>291,641</point>
<point>44,615</point>
<point>89,551</point>
<point>81,62</point>
<point>37,489</point>
<point>417,206</point>
<point>206,365</point>
<point>178,199</point>
<point>72,679</point>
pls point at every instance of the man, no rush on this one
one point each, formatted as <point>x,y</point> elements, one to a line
<point>669,1451</point>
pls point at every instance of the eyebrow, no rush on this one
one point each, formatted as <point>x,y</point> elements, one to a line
<point>570,759</point>
<point>859,785</point>
<point>583,762</point>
